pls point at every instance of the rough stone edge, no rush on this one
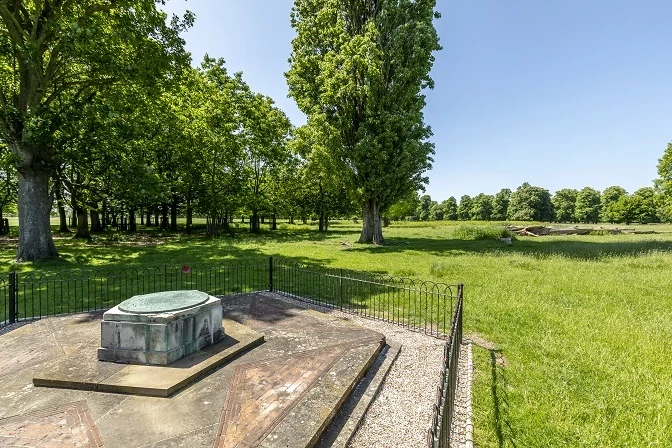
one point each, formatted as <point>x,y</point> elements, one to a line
<point>346,423</point>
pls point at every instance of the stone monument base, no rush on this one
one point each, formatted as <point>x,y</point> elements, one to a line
<point>160,328</point>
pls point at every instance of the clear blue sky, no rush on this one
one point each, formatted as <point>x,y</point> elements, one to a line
<point>560,93</point>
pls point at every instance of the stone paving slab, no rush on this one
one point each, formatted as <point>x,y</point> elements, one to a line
<point>307,365</point>
<point>84,371</point>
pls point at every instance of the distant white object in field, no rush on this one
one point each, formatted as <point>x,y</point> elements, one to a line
<point>506,240</point>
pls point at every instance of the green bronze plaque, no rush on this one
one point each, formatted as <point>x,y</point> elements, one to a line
<point>162,302</point>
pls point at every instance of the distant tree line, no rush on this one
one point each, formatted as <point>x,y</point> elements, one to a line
<point>531,203</point>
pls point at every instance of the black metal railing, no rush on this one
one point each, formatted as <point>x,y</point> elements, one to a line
<point>442,423</point>
<point>35,295</point>
<point>428,307</point>
<point>419,305</point>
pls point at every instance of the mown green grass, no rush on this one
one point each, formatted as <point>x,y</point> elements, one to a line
<point>578,329</point>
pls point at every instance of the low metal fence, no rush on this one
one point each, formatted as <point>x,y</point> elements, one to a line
<point>439,435</point>
<point>419,305</point>
<point>32,295</point>
<point>428,307</point>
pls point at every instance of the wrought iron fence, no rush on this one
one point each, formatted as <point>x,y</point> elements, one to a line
<point>419,305</point>
<point>35,295</point>
<point>432,308</point>
<point>442,422</point>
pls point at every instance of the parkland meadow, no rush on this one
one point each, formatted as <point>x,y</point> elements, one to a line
<point>572,335</point>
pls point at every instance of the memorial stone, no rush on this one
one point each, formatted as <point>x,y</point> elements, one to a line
<point>160,328</point>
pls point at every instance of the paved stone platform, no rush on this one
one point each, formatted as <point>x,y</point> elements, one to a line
<point>282,393</point>
<point>152,380</point>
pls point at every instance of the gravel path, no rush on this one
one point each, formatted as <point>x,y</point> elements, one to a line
<point>8,328</point>
<point>401,414</point>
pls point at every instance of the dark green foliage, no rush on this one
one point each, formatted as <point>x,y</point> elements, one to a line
<point>449,209</point>
<point>464,209</point>
<point>587,205</point>
<point>608,201</point>
<point>564,204</point>
<point>500,205</point>
<point>529,203</point>
<point>481,207</point>
<point>358,71</point>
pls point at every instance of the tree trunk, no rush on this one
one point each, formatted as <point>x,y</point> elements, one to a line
<point>274,222</point>
<point>164,216</point>
<point>254,222</point>
<point>173,212</point>
<point>82,223</point>
<point>96,226</point>
<point>291,220</point>
<point>372,231</point>
<point>62,215</point>
<point>320,227</point>
<point>35,240</point>
<point>132,225</point>
<point>73,222</point>
<point>190,213</point>
<point>105,215</point>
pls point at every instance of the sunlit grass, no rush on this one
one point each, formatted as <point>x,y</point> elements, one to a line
<point>579,327</point>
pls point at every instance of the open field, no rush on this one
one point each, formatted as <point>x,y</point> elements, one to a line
<point>575,330</point>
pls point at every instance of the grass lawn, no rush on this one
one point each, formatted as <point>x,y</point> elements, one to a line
<point>575,331</point>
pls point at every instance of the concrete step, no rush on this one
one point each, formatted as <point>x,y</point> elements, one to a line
<point>345,424</point>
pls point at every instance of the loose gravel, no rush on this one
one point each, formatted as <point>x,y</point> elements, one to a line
<point>401,414</point>
<point>10,327</point>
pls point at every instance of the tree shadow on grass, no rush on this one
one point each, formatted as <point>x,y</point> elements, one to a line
<point>575,249</point>
<point>499,393</point>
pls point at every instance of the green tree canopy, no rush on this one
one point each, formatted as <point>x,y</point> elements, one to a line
<point>587,207</point>
<point>608,201</point>
<point>449,209</point>
<point>358,71</point>
<point>564,204</point>
<point>464,209</point>
<point>56,57</point>
<point>500,205</point>
<point>529,203</point>
<point>481,207</point>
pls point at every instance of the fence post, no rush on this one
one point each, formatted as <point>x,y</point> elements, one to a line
<point>340,282</point>
<point>13,296</point>
<point>270,274</point>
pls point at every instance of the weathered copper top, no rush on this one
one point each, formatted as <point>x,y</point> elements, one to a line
<point>162,302</point>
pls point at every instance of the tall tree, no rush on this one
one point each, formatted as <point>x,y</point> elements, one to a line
<point>587,205</point>
<point>58,55</point>
<point>436,211</point>
<point>530,203</point>
<point>564,204</point>
<point>645,205</point>
<point>481,207</point>
<point>450,209</point>
<point>422,212</point>
<point>358,70</point>
<point>608,200</point>
<point>500,204</point>
<point>663,183</point>
<point>464,209</point>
